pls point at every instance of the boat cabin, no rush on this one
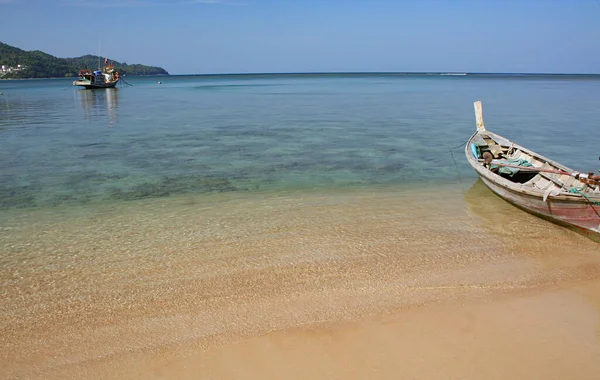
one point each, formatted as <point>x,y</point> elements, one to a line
<point>96,77</point>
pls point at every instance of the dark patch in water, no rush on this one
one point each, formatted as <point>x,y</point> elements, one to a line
<point>87,178</point>
<point>81,198</point>
<point>93,145</point>
<point>358,166</point>
<point>393,167</point>
<point>295,166</point>
<point>18,196</point>
<point>145,190</point>
<point>173,185</point>
<point>389,149</point>
<point>81,184</point>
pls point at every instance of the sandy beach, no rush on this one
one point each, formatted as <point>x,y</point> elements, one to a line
<point>364,283</point>
<point>541,334</point>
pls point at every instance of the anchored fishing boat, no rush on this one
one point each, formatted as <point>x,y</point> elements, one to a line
<point>535,183</point>
<point>107,77</point>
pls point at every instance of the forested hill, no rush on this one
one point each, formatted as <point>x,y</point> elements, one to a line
<point>37,64</point>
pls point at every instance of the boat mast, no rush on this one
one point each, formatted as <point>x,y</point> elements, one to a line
<point>98,52</point>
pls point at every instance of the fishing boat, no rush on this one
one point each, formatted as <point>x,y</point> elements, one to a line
<point>107,77</point>
<point>535,183</point>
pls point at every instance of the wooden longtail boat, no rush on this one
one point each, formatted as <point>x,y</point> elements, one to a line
<point>535,183</point>
<point>108,77</point>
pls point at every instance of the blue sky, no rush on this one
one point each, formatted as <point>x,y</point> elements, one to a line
<point>240,36</point>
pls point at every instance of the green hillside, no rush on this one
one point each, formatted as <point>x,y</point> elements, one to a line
<point>37,64</point>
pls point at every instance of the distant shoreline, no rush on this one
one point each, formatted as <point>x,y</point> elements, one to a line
<point>73,78</point>
<point>364,74</point>
<point>399,73</point>
<point>432,73</point>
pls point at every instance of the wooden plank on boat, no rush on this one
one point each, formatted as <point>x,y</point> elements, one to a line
<point>479,116</point>
<point>491,145</point>
<point>553,177</point>
<point>541,183</point>
<point>557,182</point>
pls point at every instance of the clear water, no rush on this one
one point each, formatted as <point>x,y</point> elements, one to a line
<point>206,134</point>
<point>150,218</point>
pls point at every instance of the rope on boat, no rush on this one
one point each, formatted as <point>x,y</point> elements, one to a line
<point>124,81</point>
<point>462,144</point>
<point>455,164</point>
<point>579,190</point>
<point>450,149</point>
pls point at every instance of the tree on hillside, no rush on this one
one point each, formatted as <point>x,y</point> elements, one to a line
<point>42,65</point>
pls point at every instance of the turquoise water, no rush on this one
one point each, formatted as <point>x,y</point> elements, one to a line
<point>208,209</point>
<point>206,134</point>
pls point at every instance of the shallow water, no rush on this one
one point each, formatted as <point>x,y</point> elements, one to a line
<point>90,289</point>
<point>204,210</point>
<point>272,133</point>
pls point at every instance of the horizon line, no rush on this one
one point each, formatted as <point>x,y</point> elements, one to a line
<point>448,73</point>
<point>363,73</point>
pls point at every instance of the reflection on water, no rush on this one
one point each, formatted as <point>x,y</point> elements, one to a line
<point>100,103</point>
<point>499,218</point>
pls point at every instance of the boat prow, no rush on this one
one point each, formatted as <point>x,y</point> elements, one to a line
<point>535,183</point>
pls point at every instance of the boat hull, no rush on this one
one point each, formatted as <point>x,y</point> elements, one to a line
<point>89,86</point>
<point>580,216</point>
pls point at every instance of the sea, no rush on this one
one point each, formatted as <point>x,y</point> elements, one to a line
<point>173,213</point>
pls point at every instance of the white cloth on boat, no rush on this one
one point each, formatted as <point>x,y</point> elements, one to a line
<point>551,192</point>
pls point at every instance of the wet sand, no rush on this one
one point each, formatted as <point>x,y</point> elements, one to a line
<point>544,334</point>
<point>361,283</point>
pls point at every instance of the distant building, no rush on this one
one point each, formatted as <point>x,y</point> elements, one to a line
<point>9,69</point>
